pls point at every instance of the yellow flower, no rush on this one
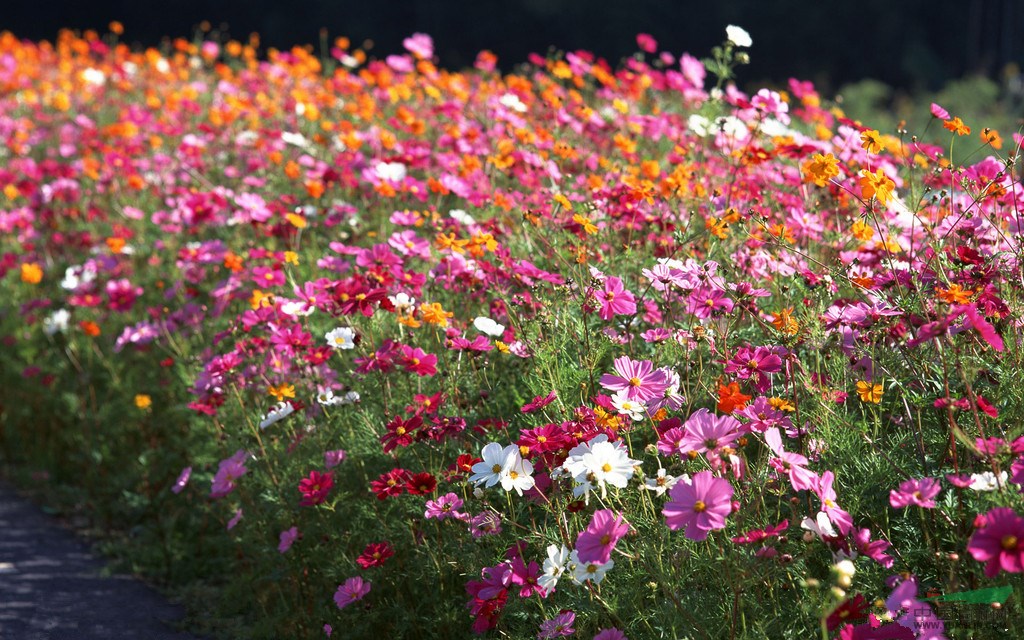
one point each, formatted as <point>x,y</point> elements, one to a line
<point>291,257</point>
<point>260,299</point>
<point>821,168</point>
<point>584,222</point>
<point>869,392</point>
<point>434,313</point>
<point>871,141</point>
<point>143,401</point>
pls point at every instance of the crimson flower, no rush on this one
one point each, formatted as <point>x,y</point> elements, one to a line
<point>315,488</point>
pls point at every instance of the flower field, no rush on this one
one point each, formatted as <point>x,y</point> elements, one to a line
<point>344,345</point>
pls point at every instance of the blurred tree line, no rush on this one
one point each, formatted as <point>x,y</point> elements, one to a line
<point>915,44</point>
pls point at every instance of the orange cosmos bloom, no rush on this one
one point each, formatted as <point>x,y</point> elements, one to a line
<point>869,392</point>
<point>821,168</point>
<point>876,185</point>
<point>957,126</point>
<point>731,398</point>
<point>785,323</point>
<point>955,294</point>
<point>871,141</point>
<point>31,273</point>
<point>434,313</point>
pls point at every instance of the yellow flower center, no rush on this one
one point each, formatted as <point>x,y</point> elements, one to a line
<point>496,468</point>
<point>1009,543</point>
<point>634,382</point>
<point>699,506</point>
<point>606,467</point>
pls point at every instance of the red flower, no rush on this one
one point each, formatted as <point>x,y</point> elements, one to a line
<point>390,484</point>
<point>315,488</point>
<point>375,554</point>
<point>421,484</point>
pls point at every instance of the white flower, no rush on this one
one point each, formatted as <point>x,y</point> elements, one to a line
<point>350,397</point>
<point>391,171</point>
<point>295,139</point>
<point>518,475</point>
<point>280,411</point>
<point>554,567</point>
<point>327,398</point>
<point>57,322</point>
<point>738,36</point>
<point>460,216</point>
<point>592,571</point>
<point>662,482</point>
<point>821,526</point>
<point>700,126</point>
<point>987,481</point>
<point>94,77</point>
<point>599,462</point>
<point>844,570</point>
<point>488,326</point>
<point>402,302</point>
<point>490,470</point>
<point>296,308</point>
<point>512,101</point>
<point>342,338</point>
<point>627,407</point>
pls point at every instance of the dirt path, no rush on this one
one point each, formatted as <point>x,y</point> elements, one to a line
<point>51,588</point>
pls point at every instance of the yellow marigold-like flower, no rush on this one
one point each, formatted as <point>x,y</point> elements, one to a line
<point>31,273</point>
<point>143,401</point>
<point>876,185</point>
<point>871,141</point>
<point>869,392</point>
<point>282,391</point>
<point>821,168</point>
<point>434,313</point>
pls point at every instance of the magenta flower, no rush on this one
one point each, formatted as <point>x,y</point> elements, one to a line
<point>915,492</point>
<point>315,488</point>
<point>539,402</point>
<point>610,634</point>
<point>447,506</point>
<point>700,506</point>
<point>287,538</point>
<point>823,489</point>
<point>707,433</point>
<point>354,589</point>
<point>999,542</point>
<point>560,625</point>
<point>595,543</point>
<point>754,363</point>
<point>615,300</point>
<point>638,378</point>
<point>179,484</point>
<point>418,361</point>
<point>229,470</point>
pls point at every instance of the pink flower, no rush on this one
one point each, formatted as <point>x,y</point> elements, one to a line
<point>539,402</point>
<point>700,506</point>
<point>610,634</point>
<point>939,112</point>
<point>375,554</point>
<point>615,300</point>
<point>822,487</point>
<point>999,542</point>
<point>915,492</point>
<point>354,589</point>
<point>334,458</point>
<point>418,361</point>
<point>595,543</point>
<point>638,378</point>
<point>315,488</point>
<point>707,433</point>
<point>447,506</point>
<point>756,363</point>
<point>646,42</point>
<point>420,45</point>
<point>288,537</point>
<point>235,519</point>
<point>229,470</point>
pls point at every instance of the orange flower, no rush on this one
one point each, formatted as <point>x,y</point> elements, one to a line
<point>876,185</point>
<point>869,392</point>
<point>992,137</point>
<point>282,391</point>
<point>143,401</point>
<point>31,273</point>
<point>115,244</point>
<point>562,200</point>
<point>296,220</point>
<point>862,231</point>
<point>90,328</point>
<point>233,261</point>
<point>730,398</point>
<point>821,168</point>
<point>434,313</point>
<point>957,126</point>
<point>955,294</point>
<point>785,323</point>
<point>584,222</point>
<point>871,141</point>
<point>781,404</point>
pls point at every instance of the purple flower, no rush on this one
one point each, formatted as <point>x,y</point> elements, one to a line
<point>182,480</point>
<point>610,634</point>
<point>334,458</point>
<point>560,625</point>
<point>229,470</point>
<point>915,492</point>
<point>354,589</point>
<point>288,537</point>
<point>595,543</point>
<point>999,542</point>
<point>699,506</point>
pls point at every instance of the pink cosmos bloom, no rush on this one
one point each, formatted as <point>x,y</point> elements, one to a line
<point>595,543</point>
<point>235,519</point>
<point>229,470</point>
<point>763,416</point>
<point>707,433</point>
<point>354,589</point>
<point>526,576</point>
<point>418,361</point>
<point>999,542</point>
<point>447,506</point>
<point>420,45</point>
<point>334,458</point>
<point>539,402</point>
<point>122,294</point>
<point>754,363</point>
<point>610,634</point>
<point>560,625</point>
<point>671,441</point>
<point>315,488</point>
<point>823,489</point>
<point>700,506</point>
<point>707,301</point>
<point>874,549</point>
<point>915,492</point>
<point>939,112</point>
<point>375,554</point>
<point>638,378</point>
<point>1017,471</point>
<point>483,524</point>
<point>288,537</point>
<point>646,42</point>
<point>615,300</point>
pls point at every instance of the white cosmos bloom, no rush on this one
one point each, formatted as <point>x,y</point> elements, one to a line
<point>296,308</point>
<point>821,526</point>
<point>554,567</point>
<point>496,460</point>
<point>296,139</point>
<point>738,36</point>
<point>57,322</point>
<point>280,411</point>
<point>987,481</point>
<point>488,326</point>
<point>593,571</point>
<point>402,302</point>
<point>518,475</point>
<point>628,407</point>
<point>512,101</point>
<point>599,462</point>
<point>391,171</point>
<point>94,77</point>
<point>662,482</point>
<point>327,398</point>
<point>460,216</point>
<point>342,338</point>
<point>699,125</point>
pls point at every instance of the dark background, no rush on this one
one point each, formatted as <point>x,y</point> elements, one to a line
<point>908,43</point>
